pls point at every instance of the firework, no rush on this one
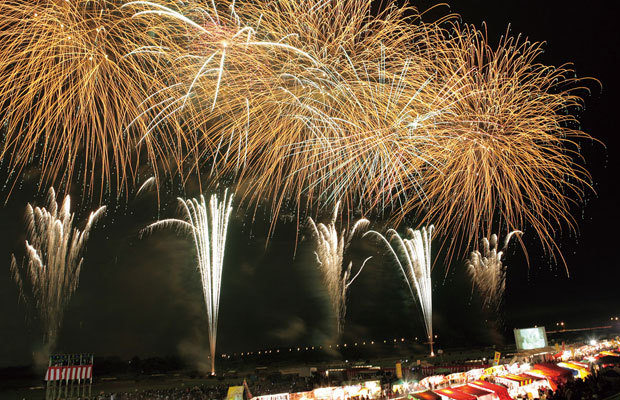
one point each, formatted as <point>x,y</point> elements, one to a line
<point>330,250</point>
<point>69,94</point>
<point>413,255</point>
<point>50,272</point>
<point>207,224</point>
<point>300,99</point>
<point>510,158</point>
<point>487,271</point>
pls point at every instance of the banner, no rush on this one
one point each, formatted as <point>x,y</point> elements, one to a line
<point>498,355</point>
<point>69,373</point>
<point>235,393</point>
<point>399,370</point>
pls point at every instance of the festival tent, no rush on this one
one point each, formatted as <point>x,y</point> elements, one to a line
<point>433,381</point>
<point>554,374</point>
<point>581,364</point>
<point>499,390</point>
<point>453,394</point>
<point>514,381</point>
<point>580,370</point>
<point>428,395</point>
<point>552,379</point>
<point>480,394</point>
<point>523,384</point>
<point>457,377</point>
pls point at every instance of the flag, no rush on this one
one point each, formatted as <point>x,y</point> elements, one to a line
<point>245,385</point>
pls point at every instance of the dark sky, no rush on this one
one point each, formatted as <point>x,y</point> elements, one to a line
<point>142,296</point>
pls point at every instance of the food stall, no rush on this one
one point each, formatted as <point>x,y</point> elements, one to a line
<point>456,378</point>
<point>454,394</point>
<point>427,395</point>
<point>500,391</point>
<point>522,384</point>
<point>479,393</point>
<point>435,381</point>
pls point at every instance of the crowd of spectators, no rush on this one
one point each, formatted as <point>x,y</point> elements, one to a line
<point>282,385</point>
<point>210,392</point>
<point>202,392</point>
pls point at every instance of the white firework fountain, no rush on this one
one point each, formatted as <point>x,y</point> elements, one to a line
<point>50,270</point>
<point>330,250</point>
<point>207,224</point>
<point>413,255</point>
<point>488,272</point>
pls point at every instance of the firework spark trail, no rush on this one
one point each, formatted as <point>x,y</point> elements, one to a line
<point>487,271</point>
<point>330,250</point>
<point>69,94</point>
<point>50,272</point>
<point>150,182</point>
<point>413,255</point>
<point>208,225</point>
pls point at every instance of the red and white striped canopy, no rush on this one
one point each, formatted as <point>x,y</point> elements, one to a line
<point>69,373</point>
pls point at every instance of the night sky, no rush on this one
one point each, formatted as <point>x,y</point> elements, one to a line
<point>142,296</point>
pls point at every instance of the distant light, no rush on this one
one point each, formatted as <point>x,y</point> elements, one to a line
<point>593,342</point>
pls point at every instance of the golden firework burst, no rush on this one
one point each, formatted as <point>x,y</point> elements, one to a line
<point>69,93</point>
